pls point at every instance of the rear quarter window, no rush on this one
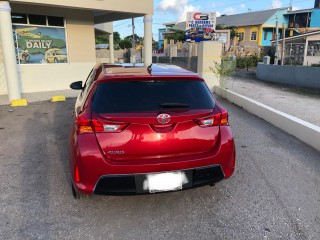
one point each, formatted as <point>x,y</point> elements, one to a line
<point>140,96</point>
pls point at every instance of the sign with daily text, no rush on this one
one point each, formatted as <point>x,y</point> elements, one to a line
<point>40,45</point>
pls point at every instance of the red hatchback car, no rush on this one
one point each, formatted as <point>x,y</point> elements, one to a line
<point>146,130</point>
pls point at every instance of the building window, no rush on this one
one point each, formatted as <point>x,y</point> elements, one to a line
<point>39,39</point>
<point>55,21</point>
<point>37,19</point>
<point>241,36</point>
<point>41,20</point>
<point>313,48</point>
<point>19,18</point>
<point>299,20</point>
<point>254,36</point>
<point>265,35</point>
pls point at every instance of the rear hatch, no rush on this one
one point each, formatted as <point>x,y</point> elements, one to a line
<point>152,120</point>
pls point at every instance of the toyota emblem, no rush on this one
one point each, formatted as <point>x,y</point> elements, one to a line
<point>163,118</point>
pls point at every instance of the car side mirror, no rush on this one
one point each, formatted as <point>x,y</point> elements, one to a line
<point>76,85</point>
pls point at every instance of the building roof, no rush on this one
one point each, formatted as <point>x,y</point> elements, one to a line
<point>242,19</point>
<point>299,11</point>
<point>247,19</point>
<point>180,26</point>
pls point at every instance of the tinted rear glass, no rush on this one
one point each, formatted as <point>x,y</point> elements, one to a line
<point>117,97</point>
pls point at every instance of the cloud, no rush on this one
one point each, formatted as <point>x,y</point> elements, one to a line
<point>276,4</point>
<point>295,8</point>
<point>229,11</point>
<point>218,14</point>
<point>243,5</point>
<point>177,7</point>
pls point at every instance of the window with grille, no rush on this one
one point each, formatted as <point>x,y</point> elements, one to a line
<point>254,36</point>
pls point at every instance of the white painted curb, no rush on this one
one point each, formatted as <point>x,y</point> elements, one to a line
<point>305,131</point>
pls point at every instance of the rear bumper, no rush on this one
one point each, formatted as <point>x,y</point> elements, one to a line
<point>135,183</point>
<point>95,173</point>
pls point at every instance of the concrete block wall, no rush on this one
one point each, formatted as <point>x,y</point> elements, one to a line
<point>209,53</point>
<point>305,131</point>
<point>300,76</point>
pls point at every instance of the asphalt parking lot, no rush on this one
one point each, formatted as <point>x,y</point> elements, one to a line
<point>274,193</point>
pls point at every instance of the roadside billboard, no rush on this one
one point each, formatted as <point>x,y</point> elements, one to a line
<point>39,45</point>
<point>200,26</point>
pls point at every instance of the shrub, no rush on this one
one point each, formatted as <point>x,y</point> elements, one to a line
<point>315,65</point>
<point>248,61</point>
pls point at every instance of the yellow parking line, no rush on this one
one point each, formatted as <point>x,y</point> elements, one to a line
<point>58,99</point>
<point>19,103</point>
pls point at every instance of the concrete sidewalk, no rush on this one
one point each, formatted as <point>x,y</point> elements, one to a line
<point>299,103</point>
<point>41,96</point>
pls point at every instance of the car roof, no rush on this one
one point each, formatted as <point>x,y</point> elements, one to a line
<point>112,71</point>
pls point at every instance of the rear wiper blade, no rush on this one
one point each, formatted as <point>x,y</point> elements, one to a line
<point>174,105</point>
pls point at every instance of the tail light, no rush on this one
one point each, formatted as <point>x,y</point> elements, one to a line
<point>214,120</point>
<point>87,125</point>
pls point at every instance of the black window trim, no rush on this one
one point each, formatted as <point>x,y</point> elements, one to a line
<point>47,25</point>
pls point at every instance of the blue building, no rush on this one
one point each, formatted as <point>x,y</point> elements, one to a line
<point>303,21</point>
<point>161,37</point>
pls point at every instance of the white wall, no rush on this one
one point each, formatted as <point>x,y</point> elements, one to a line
<point>308,60</point>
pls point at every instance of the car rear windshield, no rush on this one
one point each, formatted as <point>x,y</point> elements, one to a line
<point>140,96</point>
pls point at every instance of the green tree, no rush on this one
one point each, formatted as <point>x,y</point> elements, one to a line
<point>116,37</point>
<point>154,44</point>
<point>136,38</point>
<point>125,43</point>
<point>103,39</point>
<point>223,71</point>
<point>176,35</point>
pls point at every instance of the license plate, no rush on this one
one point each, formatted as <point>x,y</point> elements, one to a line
<point>167,181</point>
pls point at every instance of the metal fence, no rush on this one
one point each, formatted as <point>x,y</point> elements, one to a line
<point>294,53</point>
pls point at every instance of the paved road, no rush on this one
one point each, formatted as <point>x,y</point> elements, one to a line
<point>274,194</point>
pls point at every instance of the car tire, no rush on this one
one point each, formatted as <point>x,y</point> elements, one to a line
<point>77,195</point>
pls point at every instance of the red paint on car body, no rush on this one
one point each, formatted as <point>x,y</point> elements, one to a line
<point>115,143</point>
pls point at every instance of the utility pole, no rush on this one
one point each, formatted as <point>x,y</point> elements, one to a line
<point>133,40</point>
<point>133,52</point>
<point>276,55</point>
<point>283,43</point>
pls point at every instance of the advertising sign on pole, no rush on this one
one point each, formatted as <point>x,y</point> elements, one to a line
<point>200,26</point>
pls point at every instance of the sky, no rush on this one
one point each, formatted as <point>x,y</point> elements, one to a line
<point>175,11</point>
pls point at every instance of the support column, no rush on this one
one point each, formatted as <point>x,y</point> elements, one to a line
<point>147,39</point>
<point>111,48</point>
<point>208,53</point>
<point>9,55</point>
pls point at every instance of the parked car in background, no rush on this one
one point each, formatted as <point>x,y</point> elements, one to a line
<point>55,55</point>
<point>147,130</point>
